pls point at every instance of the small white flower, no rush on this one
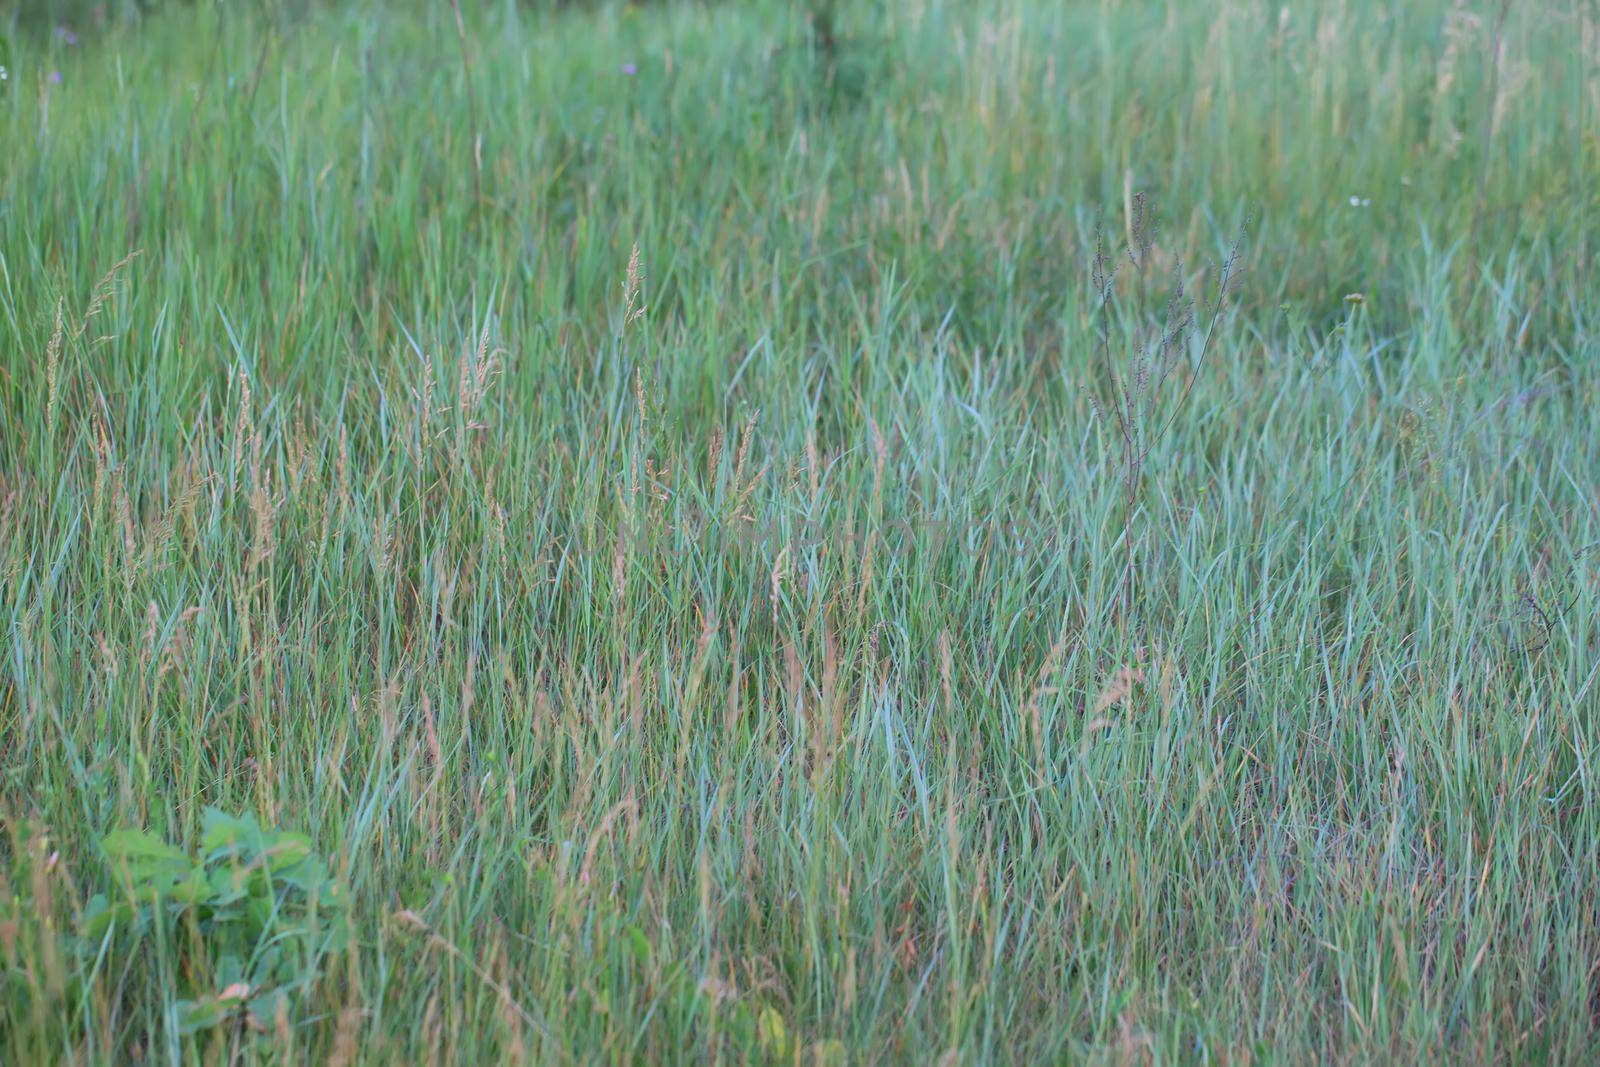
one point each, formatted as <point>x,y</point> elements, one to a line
<point>1360,201</point>
<point>3,74</point>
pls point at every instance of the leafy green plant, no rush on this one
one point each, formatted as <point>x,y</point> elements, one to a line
<point>257,905</point>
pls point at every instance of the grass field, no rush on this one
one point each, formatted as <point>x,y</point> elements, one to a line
<point>650,533</point>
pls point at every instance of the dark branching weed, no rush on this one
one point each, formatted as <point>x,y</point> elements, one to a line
<point>1545,602</point>
<point>1141,351</point>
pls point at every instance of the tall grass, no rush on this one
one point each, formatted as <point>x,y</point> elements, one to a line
<point>632,485</point>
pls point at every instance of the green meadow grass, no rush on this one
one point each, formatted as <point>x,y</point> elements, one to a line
<point>774,651</point>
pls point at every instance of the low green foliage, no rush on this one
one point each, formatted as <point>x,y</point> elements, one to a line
<point>257,907</point>
<point>243,924</point>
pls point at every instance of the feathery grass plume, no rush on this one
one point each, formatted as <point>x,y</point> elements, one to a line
<point>52,371</point>
<point>479,367</point>
<point>103,290</point>
<point>632,302</point>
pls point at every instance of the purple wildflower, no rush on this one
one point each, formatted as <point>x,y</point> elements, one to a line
<point>65,34</point>
<point>55,77</point>
<point>629,69</point>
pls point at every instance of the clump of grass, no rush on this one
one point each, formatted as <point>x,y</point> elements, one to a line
<point>650,534</point>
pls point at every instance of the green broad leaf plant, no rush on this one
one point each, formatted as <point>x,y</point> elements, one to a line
<point>252,913</point>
